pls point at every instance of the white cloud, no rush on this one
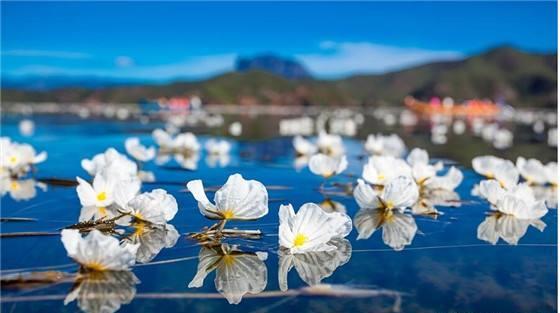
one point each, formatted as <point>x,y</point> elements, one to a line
<point>124,61</point>
<point>46,54</point>
<point>332,60</point>
<point>346,58</point>
<point>193,68</point>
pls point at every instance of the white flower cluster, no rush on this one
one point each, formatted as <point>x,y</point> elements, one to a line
<point>325,158</point>
<point>17,159</point>
<point>514,204</point>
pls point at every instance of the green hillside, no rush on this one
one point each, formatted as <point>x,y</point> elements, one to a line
<point>522,79</point>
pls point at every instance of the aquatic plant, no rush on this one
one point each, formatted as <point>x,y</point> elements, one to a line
<point>327,166</point>
<point>17,159</point>
<point>311,229</point>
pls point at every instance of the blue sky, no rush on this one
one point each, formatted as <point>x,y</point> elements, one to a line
<point>166,41</point>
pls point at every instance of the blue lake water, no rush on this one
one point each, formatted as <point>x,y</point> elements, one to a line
<point>445,269</point>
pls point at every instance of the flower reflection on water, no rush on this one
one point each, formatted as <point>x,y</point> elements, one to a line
<point>394,194</point>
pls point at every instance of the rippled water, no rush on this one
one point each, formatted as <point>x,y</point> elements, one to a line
<point>446,268</point>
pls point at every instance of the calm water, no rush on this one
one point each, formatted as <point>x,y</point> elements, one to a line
<point>445,269</point>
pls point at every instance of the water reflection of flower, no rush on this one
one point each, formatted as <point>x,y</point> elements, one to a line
<point>329,206</point>
<point>152,239</point>
<point>186,159</point>
<point>103,291</point>
<point>237,272</point>
<point>313,266</point>
<point>547,193</point>
<point>398,228</point>
<point>508,227</point>
<point>385,210</point>
<point>430,198</point>
<point>20,189</point>
<point>217,160</point>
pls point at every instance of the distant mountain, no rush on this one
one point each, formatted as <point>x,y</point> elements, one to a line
<point>282,67</point>
<point>519,78</point>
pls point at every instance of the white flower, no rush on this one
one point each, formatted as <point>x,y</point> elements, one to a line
<point>532,170</point>
<point>430,198</point>
<point>486,165</point>
<point>507,227</point>
<point>398,228</point>
<point>106,197</point>
<point>111,163</point>
<point>187,160</point>
<point>422,171</point>
<point>235,129</point>
<point>504,171</point>
<point>138,151</point>
<point>238,199</point>
<point>98,252</point>
<point>326,166</point>
<point>552,173</point>
<point>451,180</point>
<point>521,204</point>
<point>503,138</point>
<point>312,267</point>
<point>17,158</point>
<point>100,194</point>
<point>20,189</point>
<point>156,207</point>
<point>381,169</point>
<point>217,147</point>
<point>26,127</point>
<point>237,272</point>
<point>399,193</point>
<point>330,144</point>
<point>379,144</point>
<point>181,142</point>
<point>547,193</point>
<point>311,228</point>
<point>304,146</point>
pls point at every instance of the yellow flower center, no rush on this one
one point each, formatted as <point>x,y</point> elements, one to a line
<point>96,266</point>
<point>14,185</point>
<point>102,196</point>
<point>228,214</point>
<point>139,216</point>
<point>380,177</point>
<point>139,229</point>
<point>13,159</point>
<point>389,205</point>
<point>327,174</point>
<point>102,211</point>
<point>228,260</point>
<point>300,240</point>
